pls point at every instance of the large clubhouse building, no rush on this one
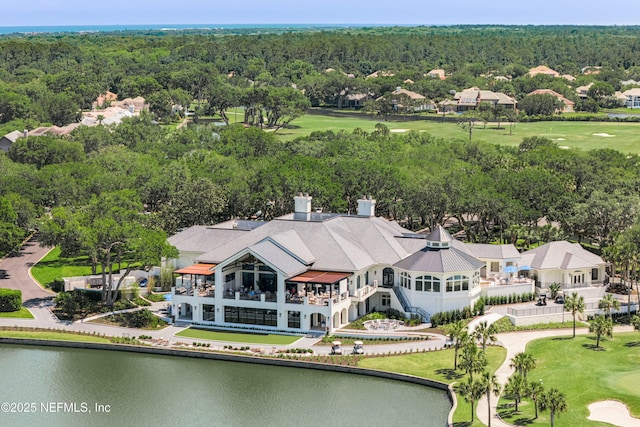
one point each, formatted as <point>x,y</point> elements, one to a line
<point>314,271</point>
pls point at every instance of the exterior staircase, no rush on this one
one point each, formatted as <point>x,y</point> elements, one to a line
<point>408,308</point>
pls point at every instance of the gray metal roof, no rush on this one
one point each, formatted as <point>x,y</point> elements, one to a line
<point>279,258</point>
<point>560,255</point>
<point>488,251</point>
<point>341,243</point>
<point>439,234</point>
<point>440,260</point>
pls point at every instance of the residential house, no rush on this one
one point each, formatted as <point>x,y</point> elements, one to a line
<point>417,102</point>
<point>104,98</point>
<point>470,99</point>
<point>583,91</point>
<point>543,69</point>
<point>379,73</point>
<point>437,74</point>
<point>568,77</point>
<point>316,271</point>
<point>568,104</point>
<point>632,98</point>
<point>353,100</point>
<point>7,140</point>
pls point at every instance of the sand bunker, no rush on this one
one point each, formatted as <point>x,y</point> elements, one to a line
<point>613,412</point>
<point>605,135</point>
<point>560,139</point>
<point>399,130</point>
<point>564,147</point>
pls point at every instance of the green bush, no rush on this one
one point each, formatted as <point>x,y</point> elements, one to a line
<point>10,300</point>
<point>57,285</point>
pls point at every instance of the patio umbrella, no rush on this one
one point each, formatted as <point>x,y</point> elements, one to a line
<point>510,269</point>
<point>525,268</point>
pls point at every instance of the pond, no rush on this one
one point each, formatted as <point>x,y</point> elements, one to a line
<point>78,387</point>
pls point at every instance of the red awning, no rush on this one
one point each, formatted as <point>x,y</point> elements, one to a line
<point>324,277</point>
<point>198,269</point>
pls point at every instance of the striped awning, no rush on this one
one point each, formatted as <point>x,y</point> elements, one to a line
<point>198,269</point>
<point>323,277</point>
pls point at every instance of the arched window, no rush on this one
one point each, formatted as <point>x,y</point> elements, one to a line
<point>457,283</point>
<point>428,284</point>
<point>405,280</point>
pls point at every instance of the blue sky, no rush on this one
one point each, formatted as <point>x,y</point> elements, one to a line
<point>406,12</point>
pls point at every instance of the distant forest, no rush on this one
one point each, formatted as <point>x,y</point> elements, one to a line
<point>173,178</point>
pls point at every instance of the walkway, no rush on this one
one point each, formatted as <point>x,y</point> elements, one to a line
<point>516,342</point>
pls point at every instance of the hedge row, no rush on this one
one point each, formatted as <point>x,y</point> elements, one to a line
<point>445,317</point>
<point>10,300</point>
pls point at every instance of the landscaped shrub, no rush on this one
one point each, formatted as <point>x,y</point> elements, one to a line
<point>10,300</point>
<point>57,285</point>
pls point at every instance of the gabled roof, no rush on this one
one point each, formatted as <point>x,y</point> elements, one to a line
<point>337,243</point>
<point>487,251</point>
<point>13,136</point>
<point>560,255</point>
<point>410,94</point>
<point>277,256</point>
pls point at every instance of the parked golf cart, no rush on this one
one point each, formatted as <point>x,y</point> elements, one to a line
<point>335,347</point>
<point>358,348</point>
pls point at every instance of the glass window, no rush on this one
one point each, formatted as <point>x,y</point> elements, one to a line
<point>208,312</point>
<point>594,274</point>
<point>405,280</point>
<point>428,283</point>
<point>457,283</point>
<point>385,300</point>
<point>294,319</point>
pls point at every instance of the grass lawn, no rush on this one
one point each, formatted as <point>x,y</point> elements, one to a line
<point>53,267</point>
<point>57,336</point>
<point>436,365</point>
<point>584,375</point>
<point>584,135</point>
<point>238,337</point>
<point>23,313</point>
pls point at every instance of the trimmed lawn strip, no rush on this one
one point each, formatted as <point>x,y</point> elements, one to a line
<point>436,365</point>
<point>55,336</point>
<point>584,375</point>
<point>238,337</point>
<point>583,135</point>
<point>23,313</point>
<point>53,267</point>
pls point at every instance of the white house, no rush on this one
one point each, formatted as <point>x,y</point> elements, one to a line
<point>565,263</point>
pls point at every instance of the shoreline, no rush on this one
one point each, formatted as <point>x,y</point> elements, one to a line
<point>262,360</point>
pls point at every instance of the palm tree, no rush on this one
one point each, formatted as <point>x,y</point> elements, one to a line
<point>574,304</point>
<point>516,388</point>
<point>601,325</point>
<point>458,334</point>
<point>100,118</point>
<point>523,363</point>
<point>472,360</point>
<point>554,288</point>
<point>471,391</point>
<point>554,401</point>
<point>536,392</point>
<point>608,303</point>
<point>484,333</point>
<point>490,385</point>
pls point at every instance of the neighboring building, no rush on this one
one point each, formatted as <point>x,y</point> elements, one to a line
<point>7,140</point>
<point>470,99</point>
<point>568,104</point>
<point>632,98</point>
<point>543,69</point>
<point>104,98</point>
<point>437,74</point>
<point>567,264</point>
<point>629,82</point>
<point>378,73</point>
<point>568,77</point>
<point>312,271</point>
<point>583,91</point>
<point>419,102</point>
<point>353,100</point>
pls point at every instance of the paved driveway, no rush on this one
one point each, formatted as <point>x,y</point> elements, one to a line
<point>17,273</point>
